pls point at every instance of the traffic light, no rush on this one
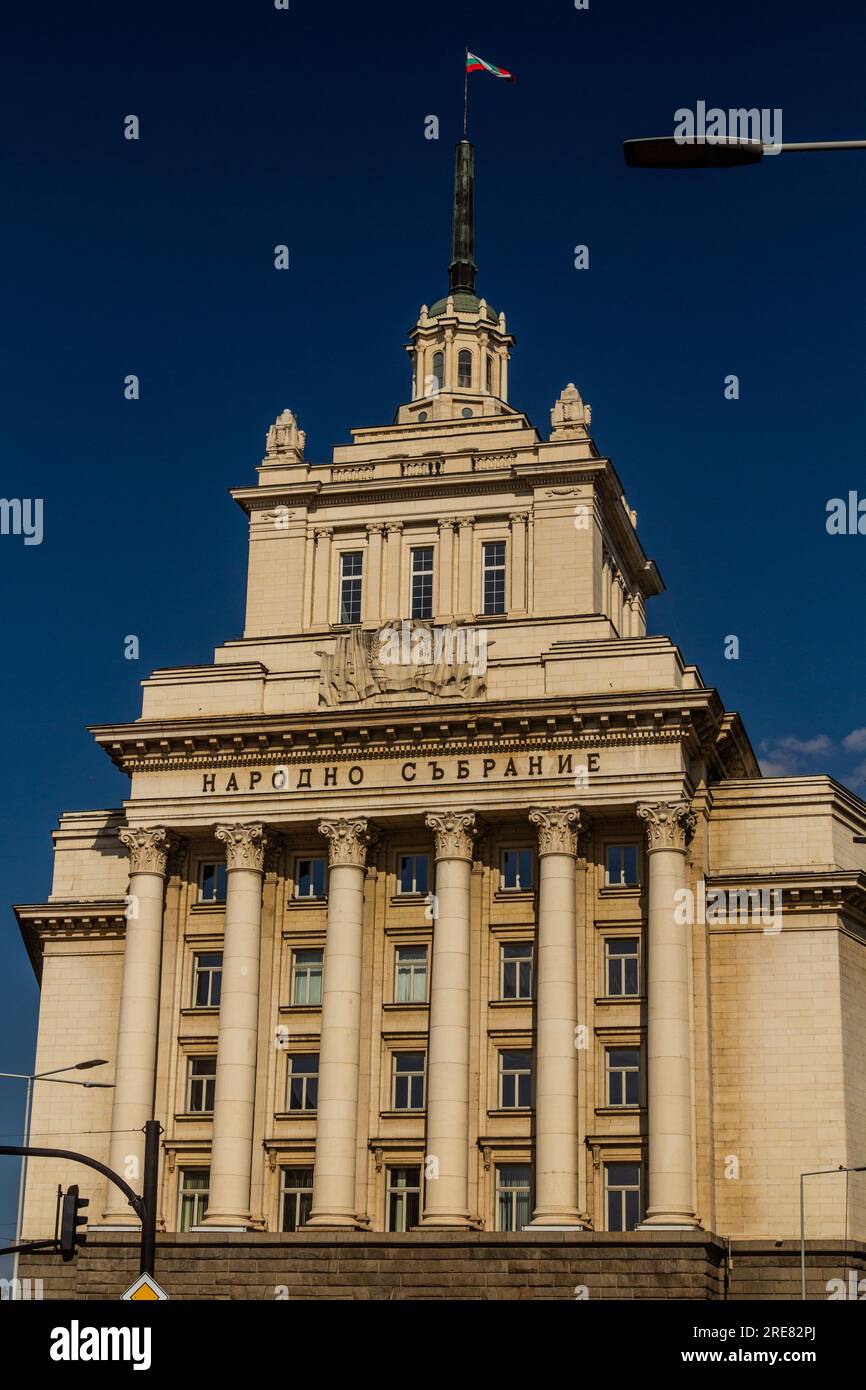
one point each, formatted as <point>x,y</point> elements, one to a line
<point>71,1218</point>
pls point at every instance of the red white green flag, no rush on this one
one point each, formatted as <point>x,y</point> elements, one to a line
<point>476,64</point>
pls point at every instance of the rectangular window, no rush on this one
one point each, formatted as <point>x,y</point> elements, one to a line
<point>408,1081</point>
<point>307,977</point>
<point>515,1080</point>
<point>413,873</point>
<point>422,582</point>
<point>493,574</point>
<point>194,1184</point>
<point>622,966</point>
<point>310,878</point>
<point>516,970</point>
<point>621,866</point>
<point>207,979</point>
<point>623,1075</point>
<point>512,1196</point>
<point>404,1198</point>
<point>212,883</point>
<point>622,1196</point>
<point>410,985</point>
<point>302,1081</point>
<point>201,1085</point>
<point>296,1197</point>
<point>351,569</point>
<point>517,868</point>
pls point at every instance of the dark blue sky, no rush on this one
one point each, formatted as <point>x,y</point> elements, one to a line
<point>306,127</point>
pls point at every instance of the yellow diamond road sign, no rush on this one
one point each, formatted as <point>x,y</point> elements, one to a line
<point>144,1290</point>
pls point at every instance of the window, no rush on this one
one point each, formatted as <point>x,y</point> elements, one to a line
<point>200,1085</point>
<point>622,972</point>
<point>489,372</point>
<point>515,1080</point>
<point>623,1075</point>
<point>302,1081</point>
<point>404,1198</point>
<point>621,866</point>
<point>194,1184</point>
<point>516,970</point>
<point>310,878</point>
<point>517,868</point>
<point>351,565</point>
<point>422,582</point>
<point>207,979</point>
<point>212,883</point>
<point>410,985</point>
<point>307,977</point>
<point>622,1195</point>
<point>493,555</point>
<point>464,368</point>
<point>408,1081</point>
<point>413,873</point>
<point>438,372</point>
<point>296,1197</point>
<point>512,1196</point>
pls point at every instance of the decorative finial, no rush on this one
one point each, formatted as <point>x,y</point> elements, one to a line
<point>285,438</point>
<point>570,417</point>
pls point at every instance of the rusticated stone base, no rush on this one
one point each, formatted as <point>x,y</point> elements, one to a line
<point>450,1265</point>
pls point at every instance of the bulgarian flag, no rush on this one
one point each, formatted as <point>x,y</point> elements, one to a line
<point>476,64</point>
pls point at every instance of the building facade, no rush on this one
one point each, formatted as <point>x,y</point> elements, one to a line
<point>447,898</point>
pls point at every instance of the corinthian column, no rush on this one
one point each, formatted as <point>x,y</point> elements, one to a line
<point>556,1070</point>
<point>669,1042</point>
<point>446,1191</point>
<point>138,1023</point>
<point>234,1104</point>
<point>340,1048</point>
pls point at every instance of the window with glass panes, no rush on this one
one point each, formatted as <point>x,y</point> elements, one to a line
<point>422,582</point>
<point>413,873</point>
<point>621,866</point>
<point>296,1197</point>
<point>622,965</point>
<point>517,868</point>
<point>623,1075</point>
<point>438,371</point>
<point>489,372</point>
<point>516,970</point>
<point>403,1198</point>
<point>410,985</point>
<point>515,1080</point>
<point>302,1080</point>
<point>200,1085</point>
<point>622,1196</point>
<point>207,977</point>
<point>310,878</point>
<point>212,883</point>
<point>493,576</point>
<point>193,1195</point>
<point>408,1081</point>
<point>351,570</point>
<point>512,1196</point>
<point>464,368</point>
<point>307,977</point>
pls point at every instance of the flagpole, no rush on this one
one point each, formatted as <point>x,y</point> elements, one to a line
<point>465,92</point>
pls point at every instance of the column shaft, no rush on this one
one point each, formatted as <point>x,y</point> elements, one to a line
<point>465,609</point>
<point>322,583</point>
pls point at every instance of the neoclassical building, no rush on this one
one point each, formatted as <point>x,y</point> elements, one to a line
<point>446,897</point>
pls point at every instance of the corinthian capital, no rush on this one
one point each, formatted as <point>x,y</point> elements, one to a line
<point>149,848</point>
<point>348,841</point>
<point>454,832</point>
<point>669,824</point>
<point>558,828</point>
<point>245,846</point>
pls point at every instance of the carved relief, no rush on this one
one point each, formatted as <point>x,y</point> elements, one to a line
<point>407,655</point>
<point>348,841</point>
<point>454,833</point>
<point>245,846</point>
<point>149,848</point>
<point>669,824</point>
<point>558,828</point>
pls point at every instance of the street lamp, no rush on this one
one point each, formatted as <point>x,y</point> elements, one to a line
<point>54,1076</point>
<point>729,152</point>
<point>815,1173</point>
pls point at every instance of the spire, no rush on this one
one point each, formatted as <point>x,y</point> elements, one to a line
<point>462,270</point>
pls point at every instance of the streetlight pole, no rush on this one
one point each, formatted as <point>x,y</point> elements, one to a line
<point>816,1173</point>
<point>723,152</point>
<point>30,1078</point>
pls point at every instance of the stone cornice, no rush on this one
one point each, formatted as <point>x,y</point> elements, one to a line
<point>102,919</point>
